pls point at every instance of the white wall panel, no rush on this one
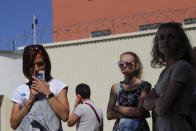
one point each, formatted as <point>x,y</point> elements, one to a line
<point>11,72</point>
<point>11,76</point>
<point>95,62</point>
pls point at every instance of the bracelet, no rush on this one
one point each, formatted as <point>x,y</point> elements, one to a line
<point>50,95</point>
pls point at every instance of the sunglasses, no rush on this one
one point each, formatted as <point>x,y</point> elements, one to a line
<point>127,63</point>
<point>31,49</point>
<point>175,24</point>
<point>39,64</point>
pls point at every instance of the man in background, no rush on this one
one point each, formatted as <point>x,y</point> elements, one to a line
<point>86,115</point>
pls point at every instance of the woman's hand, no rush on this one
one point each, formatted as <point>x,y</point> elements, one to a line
<point>115,109</point>
<point>150,101</point>
<point>40,86</point>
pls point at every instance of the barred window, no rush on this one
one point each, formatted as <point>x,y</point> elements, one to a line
<point>100,33</point>
<point>189,21</point>
<point>148,27</point>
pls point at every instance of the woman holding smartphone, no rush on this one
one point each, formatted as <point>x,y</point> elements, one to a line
<point>49,90</point>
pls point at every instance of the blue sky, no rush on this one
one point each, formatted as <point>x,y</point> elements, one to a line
<point>16,18</point>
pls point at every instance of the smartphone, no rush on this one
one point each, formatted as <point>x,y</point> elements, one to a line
<point>40,75</point>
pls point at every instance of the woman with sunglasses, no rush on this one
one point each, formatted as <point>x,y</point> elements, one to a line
<point>170,100</point>
<point>49,90</point>
<point>129,95</point>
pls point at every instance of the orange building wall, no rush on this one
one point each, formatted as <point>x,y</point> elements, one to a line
<point>75,19</point>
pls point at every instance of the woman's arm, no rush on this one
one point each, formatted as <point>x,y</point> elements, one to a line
<point>111,114</point>
<point>18,113</point>
<point>161,105</point>
<point>135,111</point>
<point>60,105</point>
<point>127,111</point>
<point>179,77</point>
<point>164,103</point>
<point>150,101</point>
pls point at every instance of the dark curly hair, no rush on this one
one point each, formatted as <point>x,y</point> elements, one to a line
<point>184,49</point>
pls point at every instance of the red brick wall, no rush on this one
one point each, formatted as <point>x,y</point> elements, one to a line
<point>75,19</point>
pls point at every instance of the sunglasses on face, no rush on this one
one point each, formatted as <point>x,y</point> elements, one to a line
<point>127,63</point>
<point>39,64</point>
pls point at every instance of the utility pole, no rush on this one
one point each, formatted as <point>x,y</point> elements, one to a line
<point>35,21</point>
<point>13,49</point>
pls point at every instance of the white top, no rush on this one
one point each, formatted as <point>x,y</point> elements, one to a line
<point>21,93</point>
<point>88,120</point>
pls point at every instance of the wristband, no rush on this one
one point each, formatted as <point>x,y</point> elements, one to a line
<point>50,95</point>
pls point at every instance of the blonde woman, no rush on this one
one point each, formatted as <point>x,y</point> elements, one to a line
<point>129,95</point>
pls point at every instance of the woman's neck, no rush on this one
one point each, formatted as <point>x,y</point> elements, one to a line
<point>131,80</point>
<point>170,60</point>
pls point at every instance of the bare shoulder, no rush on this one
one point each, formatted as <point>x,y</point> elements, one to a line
<point>114,87</point>
<point>147,85</point>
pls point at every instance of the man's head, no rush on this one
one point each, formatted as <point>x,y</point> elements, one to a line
<point>83,90</point>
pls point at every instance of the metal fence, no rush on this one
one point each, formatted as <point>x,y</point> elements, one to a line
<point>43,35</point>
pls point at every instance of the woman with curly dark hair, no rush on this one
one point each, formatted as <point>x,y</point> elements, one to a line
<point>170,100</point>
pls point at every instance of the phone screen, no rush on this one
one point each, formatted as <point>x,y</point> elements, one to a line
<point>40,75</point>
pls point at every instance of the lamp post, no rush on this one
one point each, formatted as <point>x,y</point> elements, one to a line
<point>35,22</point>
<point>14,41</point>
